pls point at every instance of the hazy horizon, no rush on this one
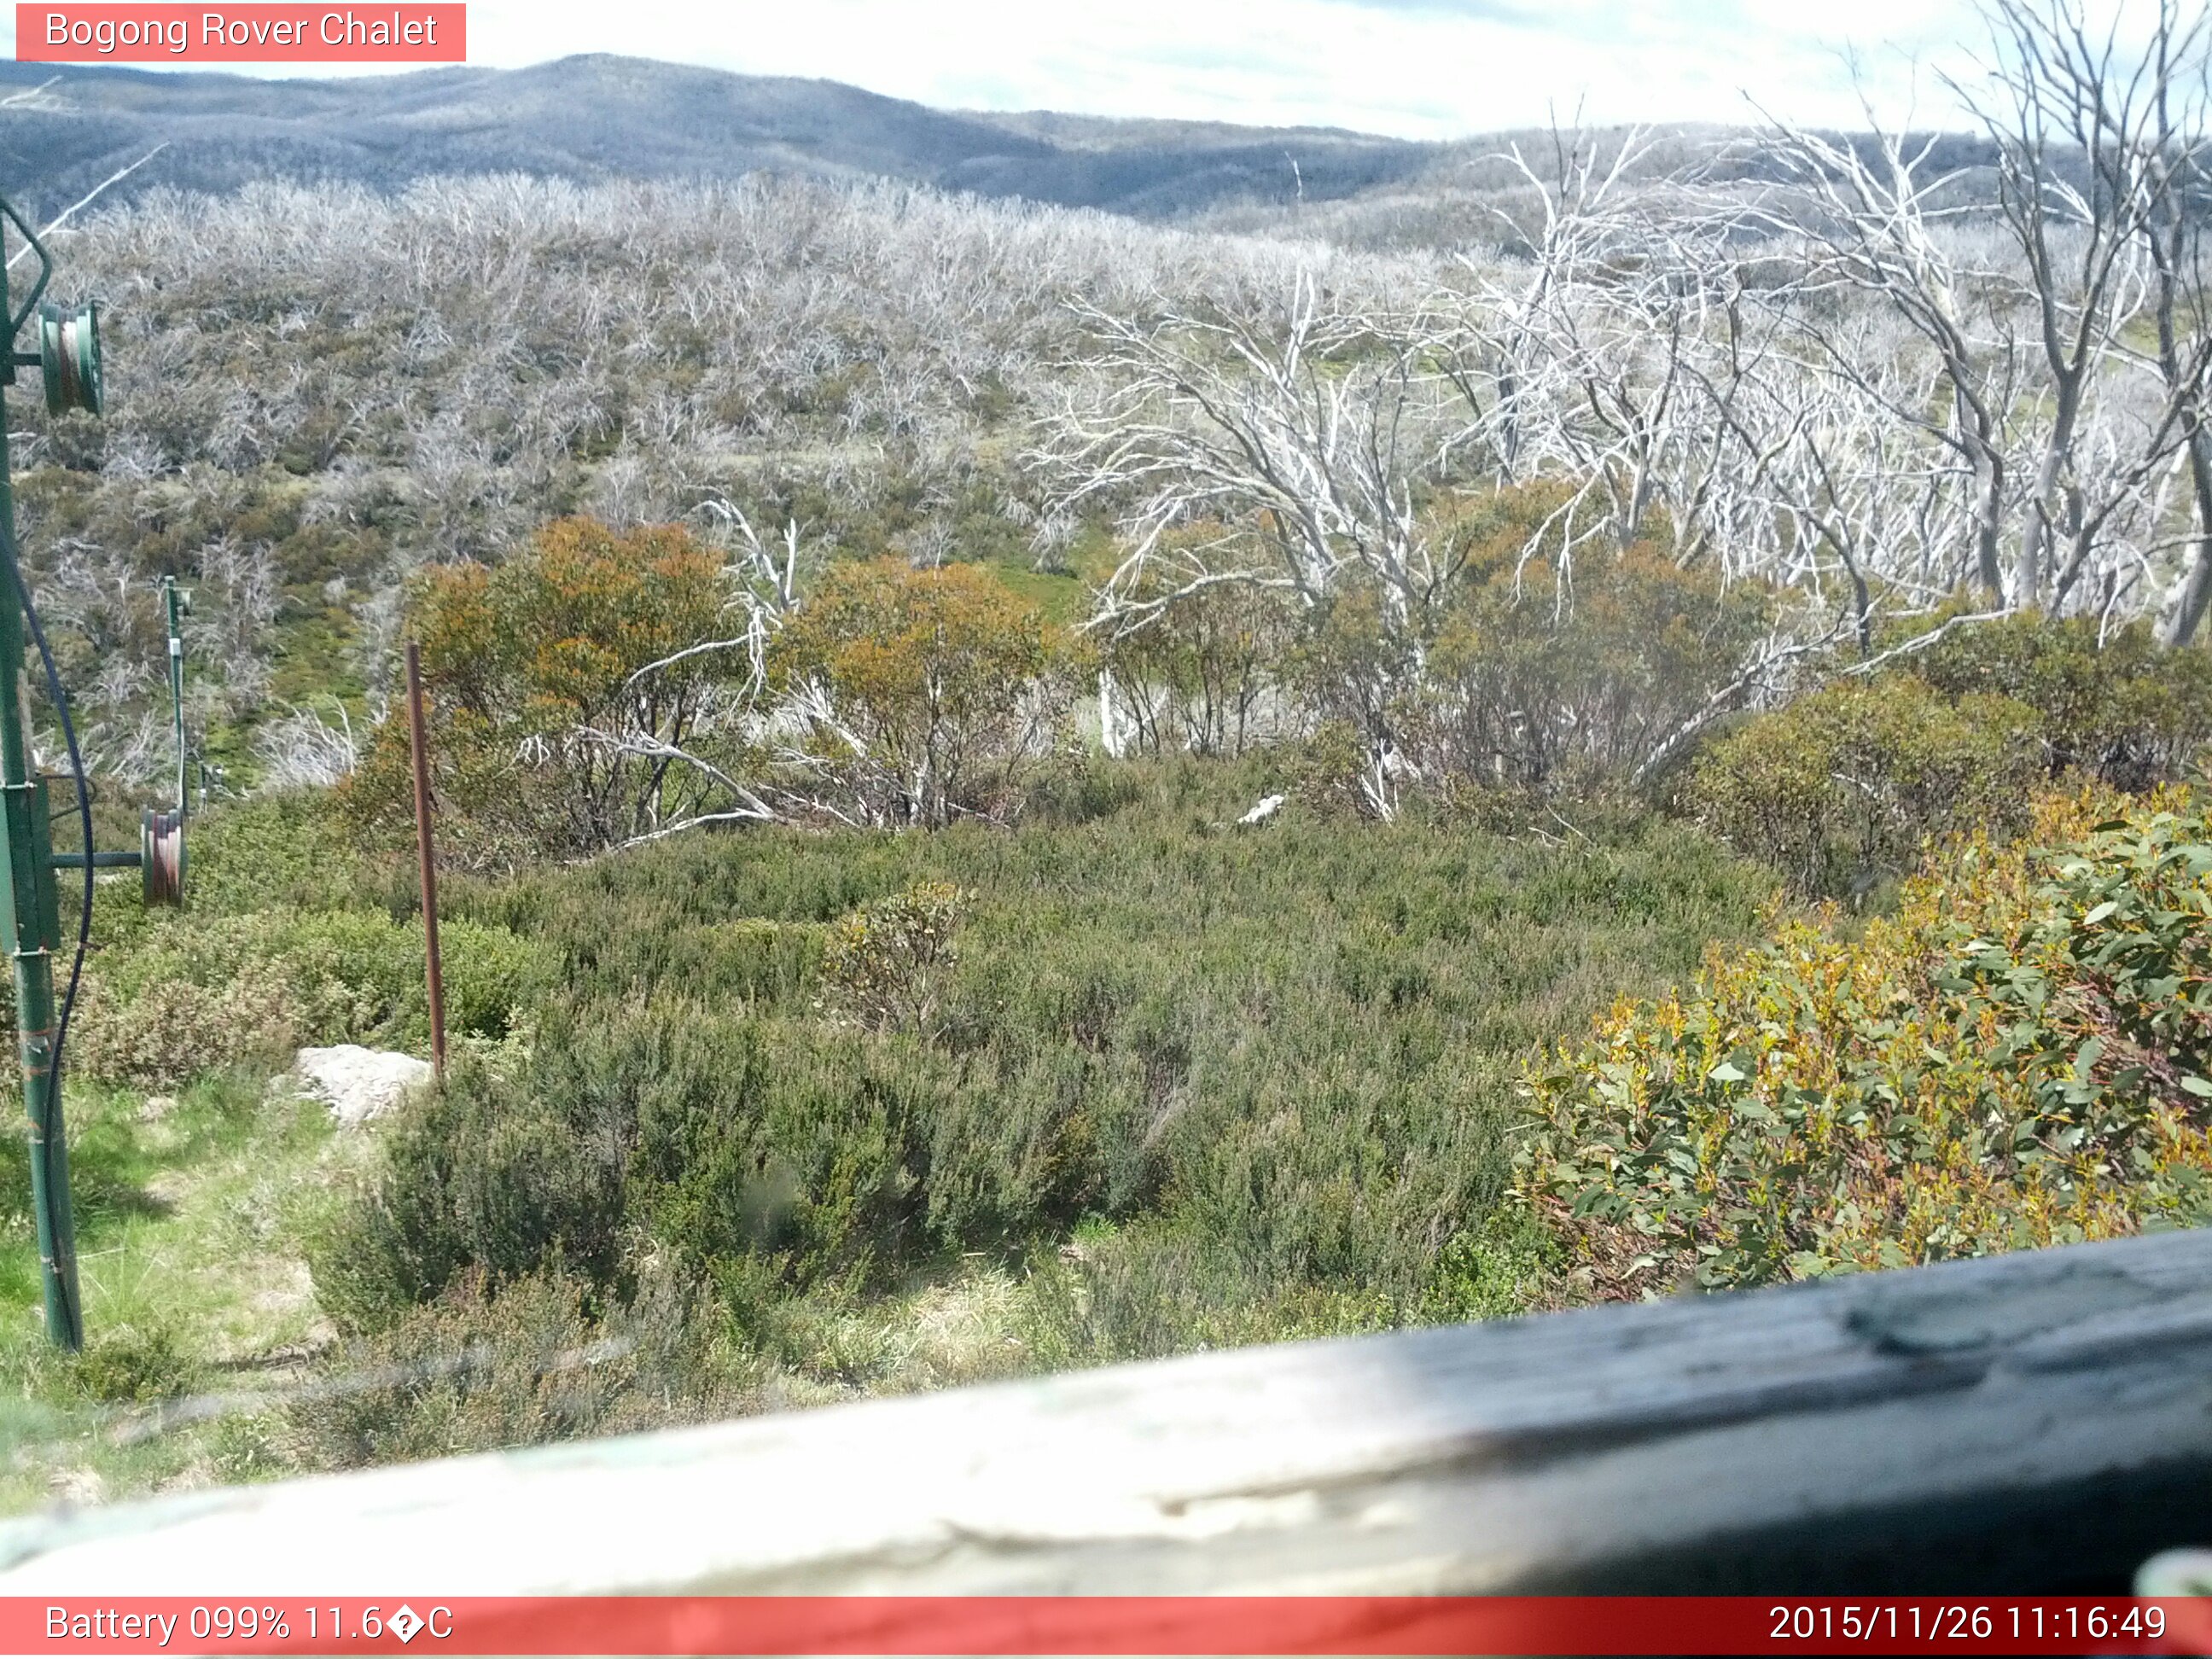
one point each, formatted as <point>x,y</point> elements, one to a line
<point>1412,68</point>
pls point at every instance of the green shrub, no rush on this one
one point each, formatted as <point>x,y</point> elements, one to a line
<point>477,1176</point>
<point>1325,769</point>
<point>625,938</point>
<point>721,1137</point>
<point>2120,708</point>
<point>1492,1272</point>
<point>1157,1288</point>
<point>886,966</point>
<point>194,993</point>
<point>948,681</point>
<point>1198,674</point>
<point>1074,786</point>
<point>472,1371</point>
<point>291,851</point>
<point>1546,677</point>
<point>135,1365</point>
<point>1289,1052</point>
<point>1842,788</point>
<point>2022,1056</point>
<point>172,1029</point>
<point>1525,670</point>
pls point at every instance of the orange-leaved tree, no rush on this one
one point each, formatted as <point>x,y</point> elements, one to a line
<point>923,690</point>
<point>572,707</point>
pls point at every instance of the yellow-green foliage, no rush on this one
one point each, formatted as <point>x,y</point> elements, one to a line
<point>471,1370</point>
<point>886,965</point>
<point>1842,787</point>
<point>1525,668</point>
<point>522,660</point>
<point>2113,704</point>
<point>1539,676</point>
<point>2018,1058</point>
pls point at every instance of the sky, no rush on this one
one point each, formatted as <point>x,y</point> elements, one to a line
<point>1415,69</point>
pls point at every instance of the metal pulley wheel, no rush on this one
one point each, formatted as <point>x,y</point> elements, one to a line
<point>69,353</point>
<point>161,856</point>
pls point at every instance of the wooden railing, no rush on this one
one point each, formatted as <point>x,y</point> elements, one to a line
<point>2035,1422</point>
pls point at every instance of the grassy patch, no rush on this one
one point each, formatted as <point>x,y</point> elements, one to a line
<point>1063,599</point>
<point>189,1209</point>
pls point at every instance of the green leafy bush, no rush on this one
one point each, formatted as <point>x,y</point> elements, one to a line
<point>1162,1286</point>
<point>2022,1056</point>
<point>720,1136</point>
<point>1841,788</point>
<point>1326,770</point>
<point>2119,708</point>
<point>195,992</point>
<point>1198,672</point>
<point>1522,669</point>
<point>293,851</point>
<point>1075,785</point>
<point>886,965</point>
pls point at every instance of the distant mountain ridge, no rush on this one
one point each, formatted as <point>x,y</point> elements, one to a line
<point>601,117</point>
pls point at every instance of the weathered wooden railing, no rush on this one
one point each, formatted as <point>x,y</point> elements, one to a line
<point>2041,1422</point>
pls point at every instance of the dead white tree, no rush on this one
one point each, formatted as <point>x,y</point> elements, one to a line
<point>2027,313</point>
<point>302,749</point>
<point>1868,217</point>
<point>1310,432</point>
<point>2098,140</point>
<point>61,219</point>
<point>1303,438</point>
<point>1594,346</point>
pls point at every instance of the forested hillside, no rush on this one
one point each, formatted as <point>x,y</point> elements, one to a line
<point>1021,788</point>
<point>603,118</point>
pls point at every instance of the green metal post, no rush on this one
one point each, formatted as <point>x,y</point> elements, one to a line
<point>176,683</point>
<point>30,929</point>
<point>30,911</point>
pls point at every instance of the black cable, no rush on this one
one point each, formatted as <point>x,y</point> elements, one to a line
<point>84,814</point>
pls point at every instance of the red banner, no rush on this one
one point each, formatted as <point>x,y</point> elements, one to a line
<point>1207,1625</point>
<point>260,33</point>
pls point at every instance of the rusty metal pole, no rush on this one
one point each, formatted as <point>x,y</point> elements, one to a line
<point>428,858</point>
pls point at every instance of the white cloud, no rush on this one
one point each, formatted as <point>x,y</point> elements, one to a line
<point>1421,68</point>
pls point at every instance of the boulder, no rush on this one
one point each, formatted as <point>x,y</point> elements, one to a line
<point>359,1084</point>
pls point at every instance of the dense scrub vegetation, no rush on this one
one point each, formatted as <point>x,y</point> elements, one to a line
<point>739,1120</point>
<point>1146,1078</point>
<point>763,1112</point>
<point>1841,789</point>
